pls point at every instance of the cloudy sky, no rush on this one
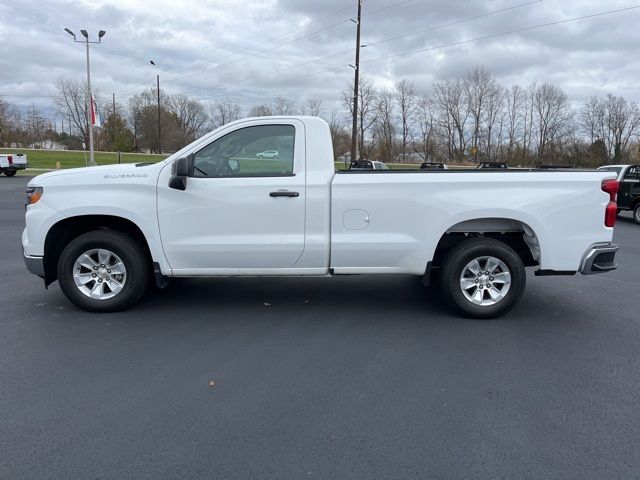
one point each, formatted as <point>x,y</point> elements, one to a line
<point>248,51</point>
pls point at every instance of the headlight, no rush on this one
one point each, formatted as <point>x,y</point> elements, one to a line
<point>33,195</point>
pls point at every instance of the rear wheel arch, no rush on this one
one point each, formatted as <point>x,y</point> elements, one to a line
<point>64,231</point>
<point>516,234</point>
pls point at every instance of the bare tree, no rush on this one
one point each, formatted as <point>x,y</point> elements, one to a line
<point>516,100</point>
<point>340,136</point>
<point>312,107</point>
<point>479,86</point>
<point>424,116</point>
<point>221,113</point>
<point>367,110</point>
<point>552,115</point>
<point>405,97</point>
<point>190,115</point>
<point>260,111</point>
<point>614,121</point>
<point>282,106</point>
<point>453,115</point>
<point>70,99</point>
<point>385,129</point>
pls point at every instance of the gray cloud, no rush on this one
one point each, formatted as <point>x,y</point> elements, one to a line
<point>215,50</point>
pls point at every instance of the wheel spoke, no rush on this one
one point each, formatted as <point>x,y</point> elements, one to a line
<point>492,264</point>
<point>503,277</point>
<point>495,294</point>
<point>478,296</point>
<point>82,278</point>
<point>118,268</point>
<point>474,267</point>
<point>114,286</point>
<point>97,291</point>
<point>103,257</point>
<point>86,261</point>
<point>467,283</point>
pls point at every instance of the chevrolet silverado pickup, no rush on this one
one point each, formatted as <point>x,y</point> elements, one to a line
<point>11,163</point>
<point>214,209</point>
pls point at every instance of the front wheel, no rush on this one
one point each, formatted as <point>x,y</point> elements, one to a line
<point>9,173</point>
<point>482,278</point>
<point>636,214</point>
<point>103,271</point>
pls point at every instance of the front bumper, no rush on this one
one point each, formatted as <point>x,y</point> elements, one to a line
<point>599,259</point>
<point>35,265</point>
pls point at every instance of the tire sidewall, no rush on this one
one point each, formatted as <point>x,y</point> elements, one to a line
<point>636,214</point>
<point>124,247</point>
<point>465,253</point>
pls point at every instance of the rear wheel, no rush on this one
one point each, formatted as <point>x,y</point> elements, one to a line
<point>103,271</point>
<point>482,278</point>
<point>9,173</point>
<point>636,214</point>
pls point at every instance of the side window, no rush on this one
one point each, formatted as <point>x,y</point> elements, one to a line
<point>632,175</point>
<point>259,151</point>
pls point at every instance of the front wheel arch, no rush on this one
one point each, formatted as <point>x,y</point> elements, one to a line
<point>64,231</point>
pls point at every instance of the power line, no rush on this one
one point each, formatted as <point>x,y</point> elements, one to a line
<point>215,67</point>
<point>501,34</point>
<point>457,22</point>
<point>318,20</point>
<point>451,24</point>
<point>463,42</point>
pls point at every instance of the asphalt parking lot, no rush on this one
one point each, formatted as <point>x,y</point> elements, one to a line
<point>355,377</point>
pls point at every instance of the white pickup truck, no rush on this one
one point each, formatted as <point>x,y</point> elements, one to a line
<point>214,209</point>
<point>11,163</point>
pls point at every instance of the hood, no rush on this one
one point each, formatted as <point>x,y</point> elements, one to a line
<point>124,170</point>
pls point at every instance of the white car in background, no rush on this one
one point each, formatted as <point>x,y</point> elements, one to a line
<point>268,154</point>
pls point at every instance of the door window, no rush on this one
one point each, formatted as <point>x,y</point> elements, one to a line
<point>259,151</point>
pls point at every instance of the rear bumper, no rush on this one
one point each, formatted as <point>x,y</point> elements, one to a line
<point>13,166</point>
<point>35,265</point>
<point>599,259</point>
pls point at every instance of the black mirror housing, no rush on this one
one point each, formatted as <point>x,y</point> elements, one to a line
<point>180,171</point>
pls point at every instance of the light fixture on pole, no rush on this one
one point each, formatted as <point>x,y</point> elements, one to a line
<point>90,107</point>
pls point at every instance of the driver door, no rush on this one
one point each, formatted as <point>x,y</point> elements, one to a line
<point>238,212</point>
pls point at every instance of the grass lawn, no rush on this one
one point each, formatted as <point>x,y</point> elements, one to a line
<point>47,159</point>
<point>75,158</point>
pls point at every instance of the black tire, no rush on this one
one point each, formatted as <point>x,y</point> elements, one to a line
<point>10,173</point>
<point>133,257</point>
<point>636,214</point>
<point>459,257</point>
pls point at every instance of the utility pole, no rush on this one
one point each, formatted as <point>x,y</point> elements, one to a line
<point>159,131</point>
<point>354,132</point>
<point>89,99</point>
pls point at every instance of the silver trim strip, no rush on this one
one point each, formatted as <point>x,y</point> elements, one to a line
<point>35,265</point>
<point>591,255</point>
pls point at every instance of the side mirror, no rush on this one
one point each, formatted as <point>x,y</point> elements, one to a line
<point>180,171</point>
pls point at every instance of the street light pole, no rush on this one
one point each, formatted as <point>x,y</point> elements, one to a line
<point>159,123</point>
<point>158,92</point>
<point>86,41</point>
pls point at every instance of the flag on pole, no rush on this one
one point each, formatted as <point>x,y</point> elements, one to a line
<point>96,120</point>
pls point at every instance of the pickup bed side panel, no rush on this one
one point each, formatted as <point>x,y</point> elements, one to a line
<point>392,223</point>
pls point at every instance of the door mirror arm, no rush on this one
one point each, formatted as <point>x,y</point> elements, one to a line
<point>180,172</point>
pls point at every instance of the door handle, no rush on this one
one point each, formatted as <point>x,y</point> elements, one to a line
<point>284,193</point>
